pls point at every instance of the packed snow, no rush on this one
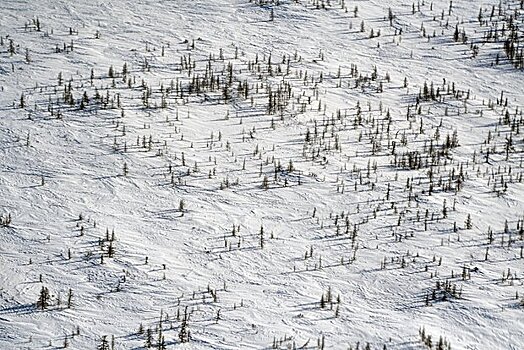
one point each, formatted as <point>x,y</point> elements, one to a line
<point>261,174</point>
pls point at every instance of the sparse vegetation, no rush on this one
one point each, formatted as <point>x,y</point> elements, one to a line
<point>286,180</point>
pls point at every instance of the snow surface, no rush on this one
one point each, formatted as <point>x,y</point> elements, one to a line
<point>55,169</point>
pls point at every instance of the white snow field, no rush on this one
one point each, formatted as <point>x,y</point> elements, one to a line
<point>286,174</point>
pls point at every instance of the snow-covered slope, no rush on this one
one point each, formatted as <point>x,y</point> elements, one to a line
<point>285,174</point>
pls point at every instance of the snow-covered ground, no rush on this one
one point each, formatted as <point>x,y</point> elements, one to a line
<point>254,159</point>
